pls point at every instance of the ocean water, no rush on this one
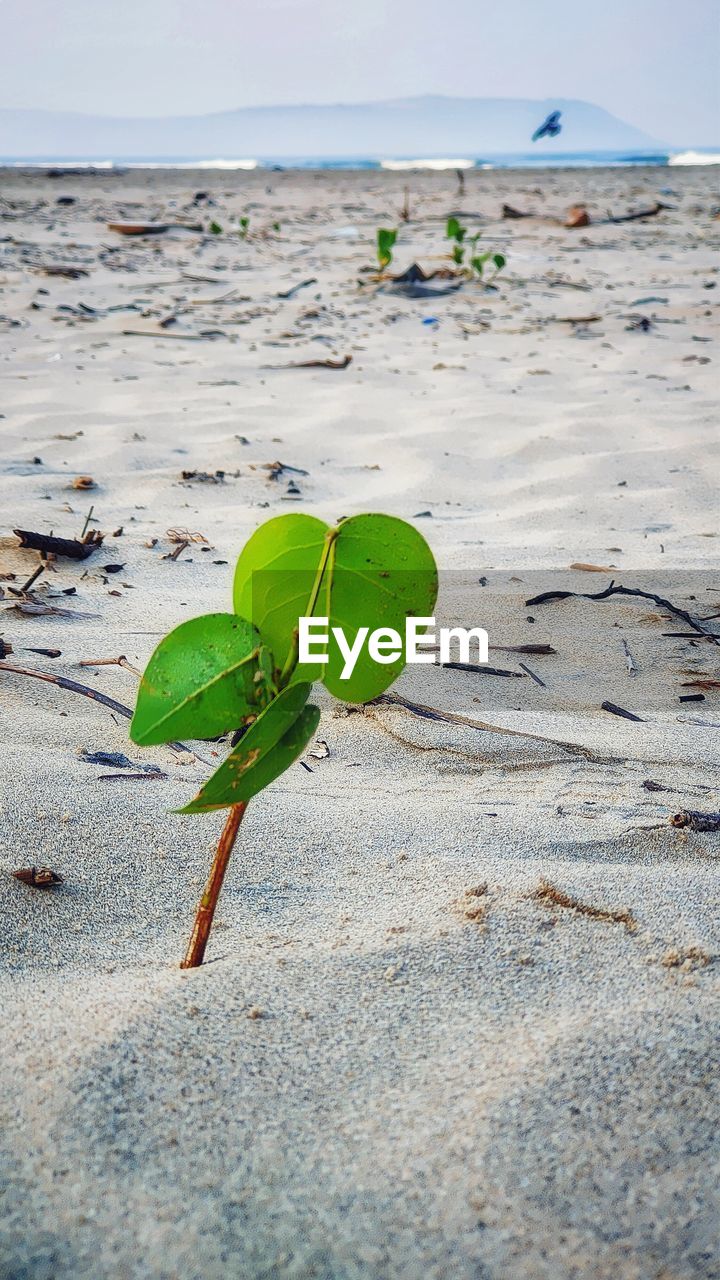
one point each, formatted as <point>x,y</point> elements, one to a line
<point>527,160</point>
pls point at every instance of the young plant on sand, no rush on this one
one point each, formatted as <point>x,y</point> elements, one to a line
<point>240,672</point>
<point>456,232</point>
<point>385,242</point>
<point>244,227</point>
<point>479,261</point>
<point>476,261</point>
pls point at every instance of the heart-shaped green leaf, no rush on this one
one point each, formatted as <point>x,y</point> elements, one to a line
<point>479,262</point>
<point>271,744</point>
<point>274,579</point>
<point>455,231</point>
<point>381,571</point>
<point>202,680</point>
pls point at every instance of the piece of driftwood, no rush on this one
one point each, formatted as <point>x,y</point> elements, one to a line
<point>120,661</point>
<point>176,337</point>
<point>290,293</point>
<point>37,608</point>
<point>316,364</point>
<point>38,877</point>
<point>156,776</point>
<point>693,820</point>
<point>650,212</point>
<point>538,650</point>
<point>578,215</point>
<point>277,468</point>
<point>451,717</point>
<point>615,710</point>
<point>66,273</point>
<point>533,676</point>
<point>151,228</point>
<point>612,590</point>
<point>480,669</point>
<point>47,544</point>
<point>509,211</point>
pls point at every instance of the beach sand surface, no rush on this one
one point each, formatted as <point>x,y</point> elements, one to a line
<point>459,1016</point>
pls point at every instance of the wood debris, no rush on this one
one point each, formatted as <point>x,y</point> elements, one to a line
<point>47,544</point>
<point>38,877</point>
<point>694,820</point>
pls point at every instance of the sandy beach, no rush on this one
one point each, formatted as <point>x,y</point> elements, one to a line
<point>459,1016</point>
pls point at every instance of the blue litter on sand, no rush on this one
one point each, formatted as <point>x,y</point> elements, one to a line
<point>430,320</point>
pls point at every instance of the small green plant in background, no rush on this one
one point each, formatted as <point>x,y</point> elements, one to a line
<point>385,243</point>
<point>455,231</point>
<point>477,261</point>
<point>215,229</point>
<point>239,672</point>
<point>244,227</point>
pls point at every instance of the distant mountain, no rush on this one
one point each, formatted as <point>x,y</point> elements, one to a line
<point>425,126</point>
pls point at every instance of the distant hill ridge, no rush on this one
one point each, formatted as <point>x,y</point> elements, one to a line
<point>422,126</point>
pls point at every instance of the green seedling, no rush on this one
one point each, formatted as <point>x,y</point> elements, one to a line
<point>240,672</point>
<point>455,231</point>
<point>215,229</point>
<point>477,262</point>
<point>244,228</point>
<point>385,242</point>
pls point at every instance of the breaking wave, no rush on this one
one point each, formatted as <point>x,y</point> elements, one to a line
<point>695,157</point>
<point>439,163</point>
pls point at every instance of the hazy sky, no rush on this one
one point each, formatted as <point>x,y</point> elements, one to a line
<point>654,63</point>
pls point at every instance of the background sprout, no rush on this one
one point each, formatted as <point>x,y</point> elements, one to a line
<point>478,261</point>
<point>455,231</point>
<point>385,241</point>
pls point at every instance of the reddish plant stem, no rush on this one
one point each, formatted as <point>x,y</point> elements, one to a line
<point>206,910</point>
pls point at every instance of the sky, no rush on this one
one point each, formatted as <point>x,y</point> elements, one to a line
<point>653,63</point>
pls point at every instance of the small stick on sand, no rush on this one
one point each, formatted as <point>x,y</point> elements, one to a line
<point>72,686</point>
<point>203,920</point>
<point>434,713</point>
<point>110,662</point>
<point>612,590</point>
<point>31,580</point>
<point>615,710</point>
<point>88,518</point>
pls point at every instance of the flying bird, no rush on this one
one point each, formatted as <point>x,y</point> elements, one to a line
<point>550,127</point>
